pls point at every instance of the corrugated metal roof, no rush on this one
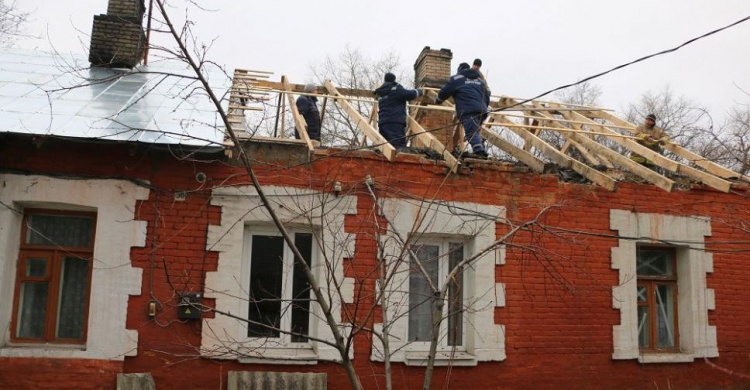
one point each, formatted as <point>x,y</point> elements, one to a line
<point>54,94</point>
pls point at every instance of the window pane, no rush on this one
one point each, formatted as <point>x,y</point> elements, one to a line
<point>665,316</point>
<point>36,267</point>
<point>642,294</point>
<point>266,260</point>
<point>301,289</point>
<point>644,327</point>
<point>32,310</point>
<point>71,311</point>
<point>59,230</point>
<point>455,296</point>
<point>654,263</point>
<point>420,295</point>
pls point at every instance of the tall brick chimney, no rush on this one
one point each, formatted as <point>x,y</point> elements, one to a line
<point>433,69</point>
<point>117,37</point>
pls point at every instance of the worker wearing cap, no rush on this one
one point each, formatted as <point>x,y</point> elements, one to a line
<point>470,95</point>
<point>392,98</point>
<point>308,108</point>
<point>651,137</point>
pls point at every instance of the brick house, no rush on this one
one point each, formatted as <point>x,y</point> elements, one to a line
<point>120,202</point>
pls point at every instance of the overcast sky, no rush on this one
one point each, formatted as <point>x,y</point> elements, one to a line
<point>527,47</point>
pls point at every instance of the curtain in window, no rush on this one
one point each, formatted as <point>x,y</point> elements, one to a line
<point>72,306</point>
<point>59,230</point>
<point>32,311</point>
<point>421,299</point>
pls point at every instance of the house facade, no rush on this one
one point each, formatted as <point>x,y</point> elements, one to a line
<point>144,254</point>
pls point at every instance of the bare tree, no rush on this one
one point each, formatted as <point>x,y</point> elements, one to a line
<point>584,94</point>
<point>12,21</point>
<point>353,69</point>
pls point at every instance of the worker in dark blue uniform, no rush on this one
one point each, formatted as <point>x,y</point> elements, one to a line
<point>392,98</point>
<point>471,97</point>
<point>308,108</point>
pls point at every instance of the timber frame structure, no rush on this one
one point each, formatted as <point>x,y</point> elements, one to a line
<point>582,127</point>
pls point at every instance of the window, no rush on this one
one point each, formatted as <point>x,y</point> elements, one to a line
<point>437,260</point>
<point>53,277</point>
<point>657,299</point>
<point>279,294</point>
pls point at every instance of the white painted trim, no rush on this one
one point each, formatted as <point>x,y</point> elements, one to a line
<point>475,224</point>
<point>322,213</point>
<point>113,279</point>
<point>697,337</point>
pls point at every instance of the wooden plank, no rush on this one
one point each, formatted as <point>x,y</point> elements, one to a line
<point>430,141</point>
<point>646,173</point>
<point>685,153</point>
<point>523,156</point>
<point>299,121</point>
<point>662,161</point>
<point>384,146</point>
<point>560,158</point>
<point>571,139</point>
<point>459,140</point>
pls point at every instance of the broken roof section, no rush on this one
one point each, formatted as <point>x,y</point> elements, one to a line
<point>598,137</point>
<point>61,95</point>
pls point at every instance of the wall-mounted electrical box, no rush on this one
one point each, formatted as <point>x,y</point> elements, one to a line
<point>188,308</point>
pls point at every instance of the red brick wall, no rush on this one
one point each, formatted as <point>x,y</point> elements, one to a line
<point>558,316</point>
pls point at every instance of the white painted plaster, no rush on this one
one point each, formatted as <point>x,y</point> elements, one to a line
<point>697,337</point>
<point>113,277</point>
<point>225,337</point>
<point>475,224</point>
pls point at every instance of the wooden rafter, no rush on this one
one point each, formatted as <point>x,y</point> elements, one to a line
<point>523,156</point>
<point>561,159</point>
<point>660,160</point>
<point>689,155</point>
<point>430,141</point>
<point>384,146</point>
<point>299,121</point>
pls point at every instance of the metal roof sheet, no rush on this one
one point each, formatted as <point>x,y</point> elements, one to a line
<point>61,95</point>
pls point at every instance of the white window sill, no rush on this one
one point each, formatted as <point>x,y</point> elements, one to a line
<point>442,358</point>
<point>287,356</point>
<point>655,358</point>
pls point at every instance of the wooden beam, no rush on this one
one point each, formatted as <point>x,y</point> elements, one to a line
<point>384,146</point>
<point>573,141</point>
<point>560,158</point>
<point>646,173</point>
<point>687,154</point>
<point>662,161</point>
<point>523,156</point>
<point>299,121</point>
<point>430,141</point>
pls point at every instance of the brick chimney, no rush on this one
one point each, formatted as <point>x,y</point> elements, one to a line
<point>117,37</point>
<point>433,69</point>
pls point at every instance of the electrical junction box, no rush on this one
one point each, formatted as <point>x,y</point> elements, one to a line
<point>189,306</point>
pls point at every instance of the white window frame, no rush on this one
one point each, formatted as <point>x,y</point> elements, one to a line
<point>483,339</point>
<point>284,339</point>
<point>113,278</point>
<point>697,338</point>
<point>225,337</point>
<point>443,270</point>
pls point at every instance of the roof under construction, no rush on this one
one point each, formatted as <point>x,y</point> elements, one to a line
<point>600,139</point>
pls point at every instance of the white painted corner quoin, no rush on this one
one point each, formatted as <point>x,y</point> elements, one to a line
<point>697,337</point>
<point>473,224</point>
<point>113,278</point>
<point>305,210</point>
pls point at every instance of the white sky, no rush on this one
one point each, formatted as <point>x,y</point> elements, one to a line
<point>527,47</point>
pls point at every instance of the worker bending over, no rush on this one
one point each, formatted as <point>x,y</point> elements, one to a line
<point>651,137</point>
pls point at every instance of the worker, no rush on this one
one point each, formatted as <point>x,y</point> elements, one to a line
<point>392,98</point>
<point>477,66</point>
<point>308,108</point>
<point>651,137</point>
<point>470,95</point>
